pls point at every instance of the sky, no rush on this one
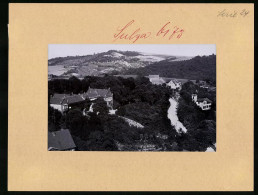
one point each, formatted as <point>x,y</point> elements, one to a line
<point>63,50</point>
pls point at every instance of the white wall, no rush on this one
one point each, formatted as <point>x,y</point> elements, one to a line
<point>57,107</point>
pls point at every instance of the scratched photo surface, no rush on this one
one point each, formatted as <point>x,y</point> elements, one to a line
<point>141,97</point>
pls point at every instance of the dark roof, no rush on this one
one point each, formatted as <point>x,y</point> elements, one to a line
<point>59,95</point>
<point>65,98</point>
<point>204,99</point>
<point>73,99</point>
<point>60,140</point>
<point>95,93</point>
<point>56,100</point>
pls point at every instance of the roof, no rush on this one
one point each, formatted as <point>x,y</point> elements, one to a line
<point>73,99</point>
<point>174,81</point>
<point>204,99</point>
<point>61,140</point>
<point>60,95</point>
<point>65,98</point>
<point>56,100</point>
<point>95,93</point>
<point>157,80</point>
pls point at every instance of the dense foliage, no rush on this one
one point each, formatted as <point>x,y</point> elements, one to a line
<point>136,99</point>
<point>201,125</point>
<point>203,68</point>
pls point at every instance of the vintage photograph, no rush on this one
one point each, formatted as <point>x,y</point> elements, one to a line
<point>132,97</point>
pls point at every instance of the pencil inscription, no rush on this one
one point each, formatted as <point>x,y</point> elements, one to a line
<point>233,13</point>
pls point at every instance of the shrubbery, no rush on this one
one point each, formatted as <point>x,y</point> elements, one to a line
<point>139,100</point>
<point>200,124</point>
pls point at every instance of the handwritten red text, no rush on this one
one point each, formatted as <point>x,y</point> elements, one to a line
<point>130,33</point>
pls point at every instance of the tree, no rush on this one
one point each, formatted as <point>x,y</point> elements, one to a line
<point>54,119</point>
<point>100,107</point>
<point>74,121</point>
<point>75,85</point>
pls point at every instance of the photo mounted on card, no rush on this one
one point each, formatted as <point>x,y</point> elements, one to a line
<point>132,97</point>
<point>117,97</point>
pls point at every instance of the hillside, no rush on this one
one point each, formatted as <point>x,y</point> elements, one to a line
<point>197,68</point>
<point>103,63</point>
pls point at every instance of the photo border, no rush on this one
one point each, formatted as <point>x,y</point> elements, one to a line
<point>4,95</point>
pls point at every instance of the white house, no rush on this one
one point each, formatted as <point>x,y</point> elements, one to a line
<point>63,102</point>
<point>156,80</point>
<point>203,103</point>
<point>174,84</point>
<point>57,102</point>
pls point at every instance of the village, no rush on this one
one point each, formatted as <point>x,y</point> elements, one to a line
<point>62,139</point>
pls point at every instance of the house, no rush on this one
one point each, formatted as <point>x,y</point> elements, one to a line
<point>156,80</point>
<point>203,103</point>
<point>60,141</point>
<point>63,102</point>
<point>174,84</point>
<point>93,94</point>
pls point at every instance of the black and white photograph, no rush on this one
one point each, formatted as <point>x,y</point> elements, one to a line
<point>132,97</point>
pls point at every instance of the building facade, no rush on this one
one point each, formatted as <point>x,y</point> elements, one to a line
<point>174,84</point>
<point>203,103</point>
<point>156,80</point>
<point>64,102</point>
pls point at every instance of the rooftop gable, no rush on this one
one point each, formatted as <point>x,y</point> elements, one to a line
<point>60,95</point>
<point>56,100</point>
<point>65,99</point>
<point>95,93</point>
<point>204,99</point>
<point>73,99</point>
<point>174,81</point>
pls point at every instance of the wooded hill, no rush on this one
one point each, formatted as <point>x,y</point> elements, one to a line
<point>197,68</point>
